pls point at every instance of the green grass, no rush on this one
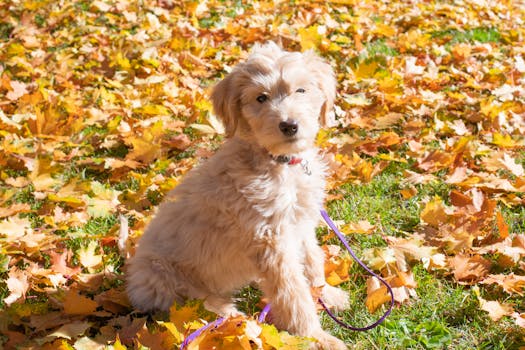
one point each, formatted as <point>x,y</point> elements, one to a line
<point>445,315</point>
<point>480,35</point>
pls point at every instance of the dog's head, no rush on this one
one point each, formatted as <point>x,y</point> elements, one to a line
<point>276,98</point>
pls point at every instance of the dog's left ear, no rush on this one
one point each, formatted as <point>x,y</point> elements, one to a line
<point>325,78</point>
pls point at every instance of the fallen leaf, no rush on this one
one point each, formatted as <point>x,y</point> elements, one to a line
<point>70,331</point>
<point>76,304</point>
<point>88,256</point>
<point>434,213</point>
<point>17,284</point>
<point>469,269</point>
<point>511,283</point>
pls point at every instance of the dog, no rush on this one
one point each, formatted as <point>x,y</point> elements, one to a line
<point>248,214</point>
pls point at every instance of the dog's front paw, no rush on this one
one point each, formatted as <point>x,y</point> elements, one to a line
<point>327,341</point>
<point>335,298</point>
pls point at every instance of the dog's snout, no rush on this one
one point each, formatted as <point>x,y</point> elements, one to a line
<point>289,127</point>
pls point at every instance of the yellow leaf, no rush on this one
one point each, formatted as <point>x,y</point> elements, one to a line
<point>385,30</point>
<point>182,315</point>
<point>504,141</point>
<point>143,151</point>
<point>336,267</point>
<point>270,336</point>
<point>366,70</point>
<point>362,227</point>
<point>152,110</point>
<point>58,344</point>
<point>122,61</point>
<point>67,194</point>
<point>174,331</point>
<point>118,345</point>
<point>310,38</point>
<point>434,213</point>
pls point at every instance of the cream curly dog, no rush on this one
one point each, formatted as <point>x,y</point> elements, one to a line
<point>248,214</point>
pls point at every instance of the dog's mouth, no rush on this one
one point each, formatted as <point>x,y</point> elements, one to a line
<point>290,146</point>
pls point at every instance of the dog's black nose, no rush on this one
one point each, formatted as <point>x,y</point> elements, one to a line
<point>289,127</point>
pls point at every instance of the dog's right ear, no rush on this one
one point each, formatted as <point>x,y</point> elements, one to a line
<point>226,103</point>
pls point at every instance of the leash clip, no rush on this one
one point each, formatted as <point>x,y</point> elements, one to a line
<point>306,167</point>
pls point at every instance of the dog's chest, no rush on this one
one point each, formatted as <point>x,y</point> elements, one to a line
<point>286,192</point>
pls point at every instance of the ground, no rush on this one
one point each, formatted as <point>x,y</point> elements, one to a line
<point>104,107</point>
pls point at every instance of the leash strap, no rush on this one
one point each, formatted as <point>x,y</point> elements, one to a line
<point>341,237</point>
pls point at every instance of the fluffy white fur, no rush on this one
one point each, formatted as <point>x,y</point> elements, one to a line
<point>242,217</point>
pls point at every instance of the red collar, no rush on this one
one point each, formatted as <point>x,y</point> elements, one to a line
<point>290,160</point>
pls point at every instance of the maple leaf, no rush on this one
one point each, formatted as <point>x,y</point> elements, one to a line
<point>88,257</point>
<point>495,309</point>
<point>435,213</point>
<point>362,227</point>
<point>19,89</point>
<point>76,304</point>
<point>14,209</point>
<point>511,283</point>
<point>469,269</point>
<point>17,284</point>
<point>377,294</point>
<point>191,311</point>
<point>70,330</point>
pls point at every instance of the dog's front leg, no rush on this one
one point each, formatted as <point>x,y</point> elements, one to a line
<point>335,298</point>
<point>288,291</point>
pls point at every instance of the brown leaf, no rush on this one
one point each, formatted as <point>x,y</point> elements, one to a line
<point>469,269</point>
<point>14,209</point>
<point>512,284</point>
<point>180,142</point>
<point>495,309</point>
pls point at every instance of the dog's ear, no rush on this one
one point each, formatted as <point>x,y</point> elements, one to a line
<point>226,103</point>
<point>325,77</point>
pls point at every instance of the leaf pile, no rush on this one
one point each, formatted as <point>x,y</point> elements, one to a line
<point>104,106</point>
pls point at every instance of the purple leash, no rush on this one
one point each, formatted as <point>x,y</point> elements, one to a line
<point>266,310</point>
<point>215,324</point>
<point>341,237</point>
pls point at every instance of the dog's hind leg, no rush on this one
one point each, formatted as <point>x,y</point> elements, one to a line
<point>151,284</point>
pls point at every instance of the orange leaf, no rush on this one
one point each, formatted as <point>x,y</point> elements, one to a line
<point>512,284</point>
<point>495,309</point>
<point>503,228</point>
<point>76,304</point>
<point>377,294</point>
<point>469,269</point>
<point>434,213</point>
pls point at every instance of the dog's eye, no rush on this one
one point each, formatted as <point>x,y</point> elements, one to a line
<point>262,98</point>
<point>301,90</point>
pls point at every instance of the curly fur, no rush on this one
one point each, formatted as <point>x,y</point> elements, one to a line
<point>243,217</point>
